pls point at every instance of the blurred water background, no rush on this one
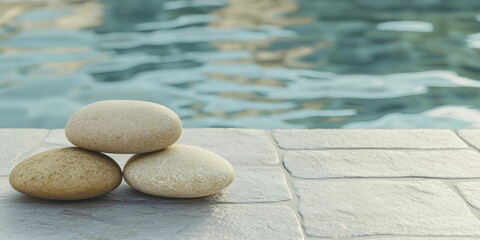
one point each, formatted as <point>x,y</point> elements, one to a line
<point>246,63</point>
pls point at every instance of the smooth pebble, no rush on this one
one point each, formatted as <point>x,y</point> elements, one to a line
<point>180,171</point>
<point>123,126</point>
<point>66,174</point>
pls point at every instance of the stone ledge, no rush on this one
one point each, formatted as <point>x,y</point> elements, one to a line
<point>368,138</point>
<point>372,193</point>
<point>379,163</point>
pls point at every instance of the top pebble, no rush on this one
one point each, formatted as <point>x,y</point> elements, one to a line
<point>123,126</point>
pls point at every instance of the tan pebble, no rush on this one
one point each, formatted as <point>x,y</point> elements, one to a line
<point>180,171</point>
<point>66,174</point>
<point>123,126</point>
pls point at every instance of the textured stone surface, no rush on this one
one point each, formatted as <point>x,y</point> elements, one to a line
<point>367,138</point>
<point>6,191</point>
<point>383,163</point>
<point>66,174</point>
<point>254,145</point>
<point>14,143</point>
<point>256,184</point>
<point>471,192</point>
<point>252,184</point>
<point>180,171</point>
<point>43,220</point>
<point>258,204</point>
<point>471,136</point>
<point>425,238</point>
<point>123,126</point>
<point>353,208</point>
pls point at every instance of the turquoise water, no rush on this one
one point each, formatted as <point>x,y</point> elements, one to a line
<point>246,63</point>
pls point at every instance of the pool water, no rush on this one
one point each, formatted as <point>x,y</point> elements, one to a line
<point>246,63</point>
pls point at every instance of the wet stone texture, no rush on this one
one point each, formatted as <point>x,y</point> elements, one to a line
<point>290,184</point>
<point>84,220</point>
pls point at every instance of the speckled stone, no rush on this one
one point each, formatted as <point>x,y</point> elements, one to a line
<point>123,126</point>
<point>66,174</point>
<point>180,171</point>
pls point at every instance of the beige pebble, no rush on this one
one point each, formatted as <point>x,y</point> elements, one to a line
<point>66,174</point>
<point>180,171</point>
<point>123,126</point>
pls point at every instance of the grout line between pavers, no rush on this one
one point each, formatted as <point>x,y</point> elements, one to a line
<point>30,150</point>
<point>293,203</point>
<point>383,236</point>
<point>469,144</point>
<point>374,148</point>
<point>451,184</point>
<point>382,149</point>
<point>401,178</point>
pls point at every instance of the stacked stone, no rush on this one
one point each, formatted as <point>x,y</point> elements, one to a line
<point>148,130</point>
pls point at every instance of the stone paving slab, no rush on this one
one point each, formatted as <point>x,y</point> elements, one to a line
<point>401,238</point>
<point>238,146</point>
<point>259,203</point>
<point>471,192</point>
<point>14,143</point>
<point>382,163</point>
<point>146,221</point>
<point>139,216</point>
<point>471,136</point>
<point>354,208</point>
<point>367,138</point>
<point>425,238</point>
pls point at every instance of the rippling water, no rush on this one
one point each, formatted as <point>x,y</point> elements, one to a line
<point>246,63</point>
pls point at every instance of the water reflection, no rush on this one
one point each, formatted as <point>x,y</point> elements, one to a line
<point>263,64</point>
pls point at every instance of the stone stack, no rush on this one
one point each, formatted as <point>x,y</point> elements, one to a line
<point>145,129</point>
